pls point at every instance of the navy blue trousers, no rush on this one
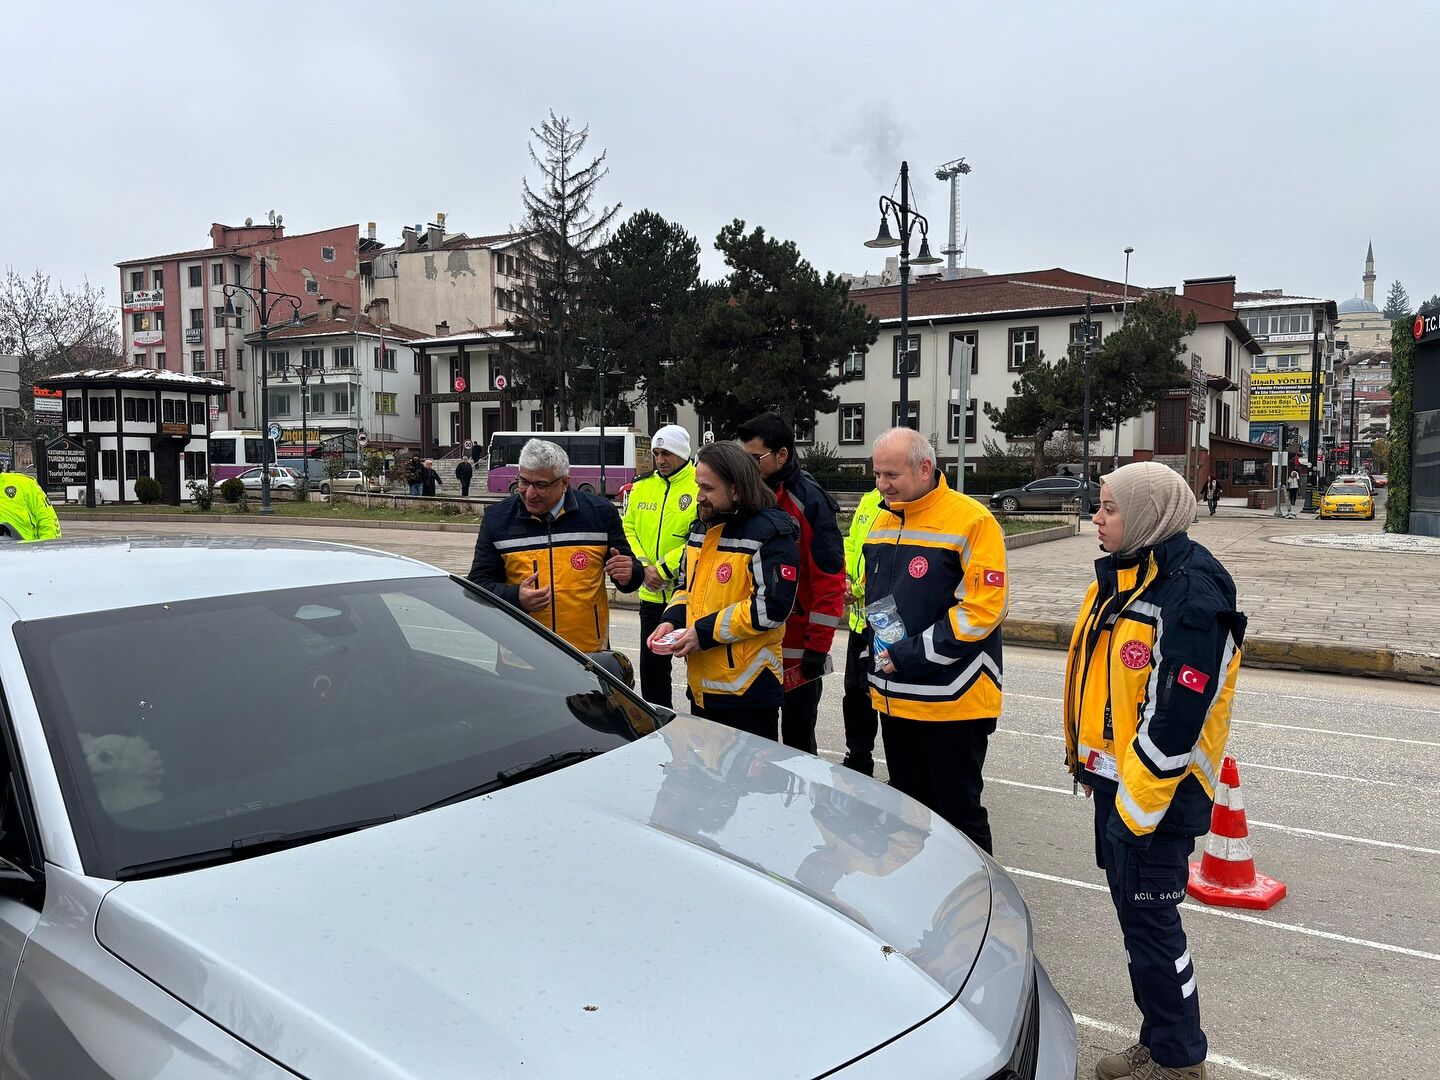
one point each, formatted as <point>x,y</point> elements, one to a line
<point>1147,885</point>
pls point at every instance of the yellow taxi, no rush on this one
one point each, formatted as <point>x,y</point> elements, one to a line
<point>1353,500</point>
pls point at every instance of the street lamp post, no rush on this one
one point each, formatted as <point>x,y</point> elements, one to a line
<point>1089,347</point>
<point>265,302</point>
<point>906,218</point>
<point>603,366</point>
<point>303,373</point>
<point>1125,294</point>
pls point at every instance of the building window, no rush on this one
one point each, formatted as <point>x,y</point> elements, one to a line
<point>328,254</point>
<point>912,418</point>
<point>158,277</point>
<point>1229,359</point>
<point>312,358</point>
<point>197,276</point>
<point>74,407</point>
<point>1024,346</point>
<point>197,359</point>
<point>913,359</point>
<point>219,359</point>
<point>197,318</point>
<point>139,322</point>
<point>852,424</point>
<point>341,401</point>
<point>217,274</point>
<point>970,415</point>
<point>345,356</point>
<point>160,360</point>
<point>1259,363</point>
<point>102,410</point>
<point>195,465</point>
<point>159,322</point>
<point>137,280</point>
<point>1077,335</point>
<point>387,361</point>
<point>853,366</point>
<point>197,414</point>
<point>220,318</point>
<point>417,404</point>
<point>107,464</point>
<point>965,337</point>
<point>315,400</point>
<point>1290,362</point>
<point>416,357</point>
<point>537,420</point>
<point>1171,425</point>
<point>240,401</point>
<point>804,432</point>
<point>137,464</point>
<point>279,360</point>
<point>386,403</point>
<point>666,414</point>
<point>312,286</point>
<point>280,404</point>
<point>139,410</point>
<point>239,359</point>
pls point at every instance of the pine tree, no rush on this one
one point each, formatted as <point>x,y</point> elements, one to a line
<point>1431,306</point>
<point>564,233</point>
<point>643,296</point>
<point>1397,304</point>
<point>772,335</point>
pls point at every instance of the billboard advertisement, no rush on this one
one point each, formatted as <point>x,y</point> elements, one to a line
<point>1281,396</point>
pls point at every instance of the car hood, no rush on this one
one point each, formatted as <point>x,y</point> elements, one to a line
<point>698,902</point>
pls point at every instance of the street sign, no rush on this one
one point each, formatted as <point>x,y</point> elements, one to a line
<point>7,455</point>
<point>9,382</point>
<point>65,464</point>
<point>362,439</point>
<point>49,406</point>
<point>459,384</point>
<point>274,432</point>
<point>469,444</point>
<point>501,382</point>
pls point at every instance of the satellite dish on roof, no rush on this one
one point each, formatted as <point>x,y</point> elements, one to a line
<point>279,219</point>
<point>249,222</point>
<point>272,217</point>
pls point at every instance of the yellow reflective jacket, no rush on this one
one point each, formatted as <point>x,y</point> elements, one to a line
<point>25,509</point>
<point>941,558</point>
<point>738,586</point>
<point>865,515</point>
<point>657,520</point>
<point>1149,683</point>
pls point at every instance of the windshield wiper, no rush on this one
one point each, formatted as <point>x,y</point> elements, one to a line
<point>514,775</point>
<point>244,847</point>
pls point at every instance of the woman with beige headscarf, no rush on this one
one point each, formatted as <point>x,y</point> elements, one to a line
<point>1148,686</point>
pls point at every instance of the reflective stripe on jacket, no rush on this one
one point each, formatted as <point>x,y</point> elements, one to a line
<point>568,552</point>
<point>942,559</point>
<point>737,590</point>
<point>25,508</point>
<point>820,599</point>
<point>860,524</point>
<point>658,514</point>
<point>1149,683</point>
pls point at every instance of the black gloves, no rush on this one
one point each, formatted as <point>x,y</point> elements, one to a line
<point>812,664</point>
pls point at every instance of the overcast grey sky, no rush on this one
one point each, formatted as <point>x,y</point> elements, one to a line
<point>1267,140</point>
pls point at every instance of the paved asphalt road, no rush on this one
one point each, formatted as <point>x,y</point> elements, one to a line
<point>1342,789</point>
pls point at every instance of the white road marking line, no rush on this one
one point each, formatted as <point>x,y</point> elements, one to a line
<point>1269,724</point>
<point>1251,821</point>
<point>1128,1034</point>
<point>1381,946</point>
<point>1244,764</point>
<point>1328,701</point>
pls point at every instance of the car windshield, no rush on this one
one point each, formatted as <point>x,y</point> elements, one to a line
<point>183,727</point>
<point>1349,489</point>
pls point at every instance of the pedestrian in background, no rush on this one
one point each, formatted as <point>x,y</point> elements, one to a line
<point>1211,493</point>
<point>858,711</point>
<point>820,599</point>
<point>1148,685</point>
<point>25,510</point>
<point>429,478</point>
<point>415,474</point>
<point>464,472</point>
<point>547,549</point>
<point>935,595</point>
<point>728,615</point>
<point>659,510</point>
<point>1292,488</point>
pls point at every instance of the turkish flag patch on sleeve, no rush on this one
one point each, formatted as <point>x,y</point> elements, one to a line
<point>995,577</point>
<point>789,573</point>
<point>1192,679</point>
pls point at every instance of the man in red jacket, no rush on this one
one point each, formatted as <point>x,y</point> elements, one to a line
<point>820,599</point>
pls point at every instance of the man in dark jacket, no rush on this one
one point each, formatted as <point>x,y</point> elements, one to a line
<point>429,478</point>
<point>820,598</point>
<point>463,473</point>
<point>548,548</point>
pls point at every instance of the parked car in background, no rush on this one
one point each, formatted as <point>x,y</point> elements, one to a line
<point>1355,478</point>
<point>1051,493</point>
<point>1381,479</point>
<point>1348,500</point>
<point>435,841</point>
<point>281,476</point>
<point>349,480</point>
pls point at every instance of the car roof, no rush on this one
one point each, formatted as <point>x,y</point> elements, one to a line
<point>69,577</point>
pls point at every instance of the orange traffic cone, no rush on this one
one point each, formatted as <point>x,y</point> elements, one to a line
<point>1226,875</point>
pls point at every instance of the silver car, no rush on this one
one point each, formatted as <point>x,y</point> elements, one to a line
<point>412,834</point>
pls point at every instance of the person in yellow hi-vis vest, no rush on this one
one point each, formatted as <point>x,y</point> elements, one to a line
<point>658,515</point>
<point>25,510</point>
<point>861,722</point>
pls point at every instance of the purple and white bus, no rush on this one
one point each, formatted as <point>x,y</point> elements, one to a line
<point>627,457</point>
<point>232,452</point>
